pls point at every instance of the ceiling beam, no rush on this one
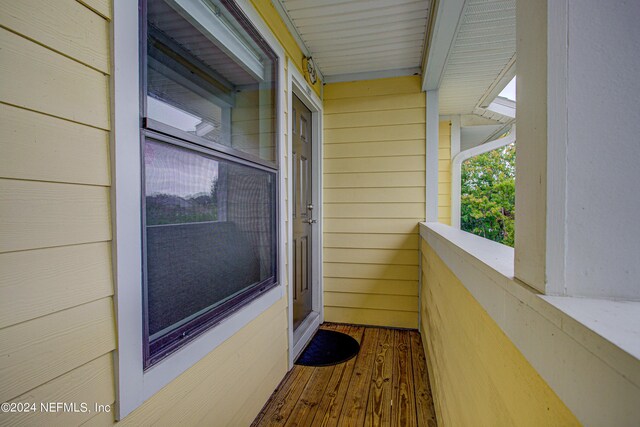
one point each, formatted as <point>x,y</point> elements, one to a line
<point>444,27</point>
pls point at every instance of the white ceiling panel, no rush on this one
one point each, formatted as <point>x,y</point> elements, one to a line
<point>483,48</point>
<point>361,36</point>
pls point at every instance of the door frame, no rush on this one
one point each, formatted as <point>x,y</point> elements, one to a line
<point>296,84</point>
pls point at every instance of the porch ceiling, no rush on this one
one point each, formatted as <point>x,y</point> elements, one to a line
<point>481,60</point>
<point>361,36</point>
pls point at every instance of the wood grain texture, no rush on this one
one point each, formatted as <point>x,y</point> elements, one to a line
<point>355,401</point>
<point>41,214</point>
<point>40,79</point>
<point>39,147</point>
<point>379,406</point>
<point>40,282</point>
<point>403,387</point>
<point>65,26</point>
<point>42,349</point>
<point>479,376</point>
<point>101,7</point>
<point>90,383</point>
<point>424,400</point>
<point>359,392</point>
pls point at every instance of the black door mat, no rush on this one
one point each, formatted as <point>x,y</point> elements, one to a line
<point>328,348</point>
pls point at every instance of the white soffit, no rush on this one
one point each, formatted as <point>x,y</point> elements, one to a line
<point>361,36</point>
<point>482,51</point>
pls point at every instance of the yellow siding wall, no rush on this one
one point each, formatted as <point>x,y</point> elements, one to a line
<point>479,376</point>
<point>374,197</point>
<point>444,173</point>
<point>57,323</point>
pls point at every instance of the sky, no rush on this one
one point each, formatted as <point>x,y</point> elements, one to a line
<point>510,90</point>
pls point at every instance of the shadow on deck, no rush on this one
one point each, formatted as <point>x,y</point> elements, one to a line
<point>387,384</point>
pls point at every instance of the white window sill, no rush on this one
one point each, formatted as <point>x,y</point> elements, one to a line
<point>546,329</point>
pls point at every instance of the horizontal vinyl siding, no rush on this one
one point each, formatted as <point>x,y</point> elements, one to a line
<point>478,375</point>
<point>374,193</point>
<point>444,169</point>
<point>57,321</point>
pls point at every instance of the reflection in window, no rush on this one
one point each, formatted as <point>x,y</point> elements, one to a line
<point>200,87</point>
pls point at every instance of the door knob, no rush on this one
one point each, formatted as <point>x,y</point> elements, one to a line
<point>310,221</point>
<point>310,206</point>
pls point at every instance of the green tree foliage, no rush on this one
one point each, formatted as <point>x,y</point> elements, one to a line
<point>488,195</point>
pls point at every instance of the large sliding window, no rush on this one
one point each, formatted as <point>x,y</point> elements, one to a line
<point>209,144</point>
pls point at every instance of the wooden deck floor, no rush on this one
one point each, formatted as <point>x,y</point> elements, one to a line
<point>387,384</point>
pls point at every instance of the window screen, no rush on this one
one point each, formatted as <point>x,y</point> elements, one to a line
<point>209,182</point>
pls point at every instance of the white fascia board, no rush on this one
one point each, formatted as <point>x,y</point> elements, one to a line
<point>445,28</point>
<point>208,21</point>
<point>503,106</point>
<point>506,75</point>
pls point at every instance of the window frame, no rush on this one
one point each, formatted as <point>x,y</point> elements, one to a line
<point>134,385</point>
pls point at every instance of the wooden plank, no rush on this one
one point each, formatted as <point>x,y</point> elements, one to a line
<point>307,406</point>
<point>40,147</point>
<point>411,147</point>
<point>45,81</point>
<point>371,271</point>
<point>374,103</point>
<point>64,26</point>
<point>90,383</point>
<point>41,214</point>
<point>380,393</point>
<point>283,403</point>
<point>404,406</point>
<point>330,405</point>
<point>375,241</point>
<point>371,256</point>
<point>370,210</point>
<point>374,195</point>
<point>101,7</point>
<point>375,133</point>
<point>386,86</point>
<point>42,349</point>
<point>40,282</point>
<point>373,180</point>
<point>370,225</point>
<point>375,164</point>
<point>375,118</point>
<point>424,401</point>
<point>361,316</point>
<point>371,301</point>
<point>355,400</point>
<point>371,286</point>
